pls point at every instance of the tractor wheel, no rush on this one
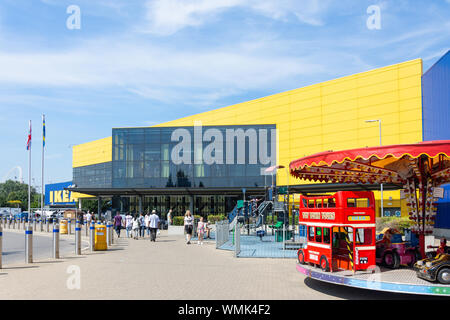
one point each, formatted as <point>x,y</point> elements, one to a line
<point>443,276</point>
<point>391,260</point>
<point>300,257</point>
<point>324,264</point>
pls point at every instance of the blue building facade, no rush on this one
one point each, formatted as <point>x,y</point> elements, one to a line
<point>436,125</point>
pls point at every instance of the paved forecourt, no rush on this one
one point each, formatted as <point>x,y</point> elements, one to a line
<point>166,269</point>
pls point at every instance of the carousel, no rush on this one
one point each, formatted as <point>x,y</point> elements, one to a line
<point>417,169</point>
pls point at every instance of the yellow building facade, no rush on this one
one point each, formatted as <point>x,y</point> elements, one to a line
<point>327,116</point>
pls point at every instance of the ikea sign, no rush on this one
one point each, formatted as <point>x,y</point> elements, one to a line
<point>56,195</point>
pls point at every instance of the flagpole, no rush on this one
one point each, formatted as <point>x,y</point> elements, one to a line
<point>29,181</point>
<point>42,177</point>
<point>29,230</point>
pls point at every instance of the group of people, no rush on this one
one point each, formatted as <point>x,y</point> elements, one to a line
<point>136,225</point>
<point>202,228</point>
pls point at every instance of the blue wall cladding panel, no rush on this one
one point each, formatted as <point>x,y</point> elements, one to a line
<point>436,100</point>
<point>436,120</point>
<point>443,210</point>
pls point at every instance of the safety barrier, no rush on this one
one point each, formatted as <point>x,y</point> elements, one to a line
<point>222,233</point>
<point>237,240</point>
<point>349,248</point>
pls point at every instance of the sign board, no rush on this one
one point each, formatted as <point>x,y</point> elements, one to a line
<point>438,193</point>
<point>282,190</point>
<point>240,204</point>
<point>56,195</point>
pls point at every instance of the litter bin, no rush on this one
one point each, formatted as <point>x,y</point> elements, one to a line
<point>100,237</point>
<point>63,226</point>
<point>279,235</point>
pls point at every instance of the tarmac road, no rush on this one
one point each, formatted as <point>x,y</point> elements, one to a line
<point>14,246</point>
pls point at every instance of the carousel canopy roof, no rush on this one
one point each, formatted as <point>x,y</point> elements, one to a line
<point>383,164</point>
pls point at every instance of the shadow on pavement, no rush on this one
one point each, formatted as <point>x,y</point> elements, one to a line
<point>351,293</point>
<point>20,267</point>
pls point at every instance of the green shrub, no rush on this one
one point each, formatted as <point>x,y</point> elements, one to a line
<point>178,220</point>
<point>394,222</point>
<point>213,218</point>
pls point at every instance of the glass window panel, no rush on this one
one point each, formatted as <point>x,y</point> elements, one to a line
<point>165,152</point>
<point>135,136</point>
<point>152,169</point>
<point>152,152</point>
<point>165,169</point>
<point>153,135</point>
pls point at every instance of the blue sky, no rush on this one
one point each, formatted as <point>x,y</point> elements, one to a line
<point>139,63</point>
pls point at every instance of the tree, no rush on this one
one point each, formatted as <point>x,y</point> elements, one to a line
<point>13,190</point>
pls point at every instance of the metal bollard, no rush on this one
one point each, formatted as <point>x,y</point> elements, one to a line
<point>108,233</point>
<point>92,237</point>
<point>46,223</point>
<point>112,234</point>
<point>87,228</point>
<point>18,224</point>
<point>41,224</point>
<point>14,223</point>
<point>55,240</point>
<point>78,238</point>
<point>34,224</point>
<point>24,223</point>
<point>8,222</point>
<point>1,245</point>
<point>69,226</point>
<point>29,245</point>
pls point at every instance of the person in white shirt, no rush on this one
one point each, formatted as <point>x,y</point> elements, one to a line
<point>147,223</point>
<point>188,226</point>
<point>136,227</point>
<point>169,217</point>
<point>128,224</point>
<point>153,224</point>
<point>88,218</point>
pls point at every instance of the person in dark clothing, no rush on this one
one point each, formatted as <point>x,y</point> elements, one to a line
<point>118,223</point>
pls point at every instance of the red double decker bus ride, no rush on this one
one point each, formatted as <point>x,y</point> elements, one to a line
<point>340,231</point>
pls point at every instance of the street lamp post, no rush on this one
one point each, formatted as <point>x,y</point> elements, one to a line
<point>381,185</point>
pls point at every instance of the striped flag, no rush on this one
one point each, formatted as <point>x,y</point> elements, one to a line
<point>29,138</point>
<point>43,130</point>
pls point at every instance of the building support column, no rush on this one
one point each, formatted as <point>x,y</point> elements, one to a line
<point>99,209</point>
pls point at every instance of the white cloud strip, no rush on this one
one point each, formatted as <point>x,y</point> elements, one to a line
<point>165,17</point>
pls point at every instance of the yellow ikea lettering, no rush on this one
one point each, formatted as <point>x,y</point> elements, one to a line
<point>58,196</point>
<point>51,196</point>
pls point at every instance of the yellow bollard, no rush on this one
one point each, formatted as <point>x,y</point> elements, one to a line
<point>100,237</point>
<point>63,226</point>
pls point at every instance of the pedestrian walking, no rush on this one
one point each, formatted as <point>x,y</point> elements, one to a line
<point>141,225</point>
<point>118,223</point>
<point>169,217</point>
<point>128,224</point>
<point>136,227</point>
<point>88,218</point>
<point>153,224</point>
<point>147,223</point>
<point>188,226</point>
<point>200,231</point>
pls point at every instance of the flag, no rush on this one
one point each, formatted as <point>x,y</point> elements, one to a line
<point>29,138</point>
<point>43,130</point>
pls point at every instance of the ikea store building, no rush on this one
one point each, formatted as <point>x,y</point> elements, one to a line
<point>206,162</point>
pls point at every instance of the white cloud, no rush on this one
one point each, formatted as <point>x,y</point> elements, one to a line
<point>165,17</point>
<point>157,72</point>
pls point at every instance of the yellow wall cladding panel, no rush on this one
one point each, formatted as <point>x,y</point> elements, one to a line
<point>331,115</point>
<point>93,152</point>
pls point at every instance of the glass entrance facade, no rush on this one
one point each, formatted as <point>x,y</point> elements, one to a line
<point>202,205</point>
